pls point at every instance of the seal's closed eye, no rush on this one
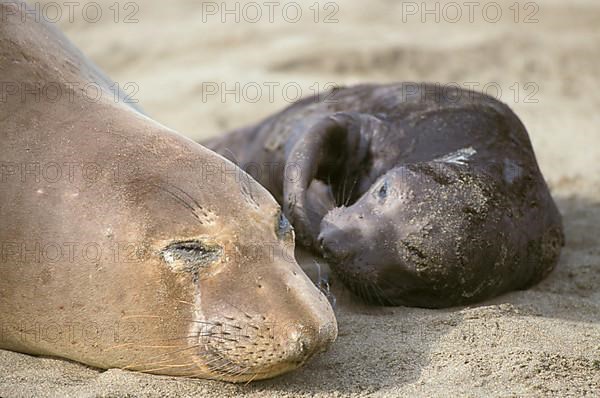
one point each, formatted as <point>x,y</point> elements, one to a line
<point>190,256</point>
<point>284,228</point>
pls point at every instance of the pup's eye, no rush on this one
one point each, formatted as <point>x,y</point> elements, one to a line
<point>190,256</point>
<point>384,190</point>
<point>284,228</point>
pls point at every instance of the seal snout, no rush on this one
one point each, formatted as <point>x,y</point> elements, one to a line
<point>270,349</point>
<point>303,343</point>
<point>337,238</point>
<point>288,323</point>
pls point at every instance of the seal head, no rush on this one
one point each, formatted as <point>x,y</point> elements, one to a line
<point>414,198</point>
<point>146,251</point>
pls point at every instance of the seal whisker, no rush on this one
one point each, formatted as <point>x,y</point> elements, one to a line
<point>350,193</point>
<point>216,358</point>
<point>187,365</point>
<point>344,186</point>
<point>361,288</point>
<point>229,369</point>
<point>338,195</point>
<point>252,379</point>
<point>235,370</point>
<point>181,201</point>
<point>241,373</point>
<point>365,291</point>
<point>378,293</point>
<point>157,340</point>
<point>185,302</point>
<point>330,188</point>
<point>222,324</point>
<point>119,346</point>
<point>345,195</point>
<point>237,308</point>
<point>198,335</point>
<point>139,316</point>
<point>218,337</point>
<point>186,194</point>
<point>223,367</point>
<point>228,366</point>
<point>373,292</point>
<point>137,345</point>
<point>209,323</point>
<point>144,364</point>
<point>172,352</point>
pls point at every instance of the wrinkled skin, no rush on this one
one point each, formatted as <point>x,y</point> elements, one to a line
<point>140,263</point>
<point>419,199</point>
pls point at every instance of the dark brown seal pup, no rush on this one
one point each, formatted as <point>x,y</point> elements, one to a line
<point>416,197</point>
<point>116,253</point>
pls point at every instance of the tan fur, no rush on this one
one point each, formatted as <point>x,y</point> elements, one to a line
<point>132,309</point>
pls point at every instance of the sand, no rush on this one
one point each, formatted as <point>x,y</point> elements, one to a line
<point>541,342</point>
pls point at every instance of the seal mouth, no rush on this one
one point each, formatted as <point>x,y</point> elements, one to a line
<point>227,369</point>
<point>378,284</point>
<point>332,255</point>
<point>358,274</point>
<point>255,347</point>
<point>365,286</point>
<point>224,368</point>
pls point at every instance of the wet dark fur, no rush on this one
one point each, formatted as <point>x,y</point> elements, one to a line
<point>416,198</point>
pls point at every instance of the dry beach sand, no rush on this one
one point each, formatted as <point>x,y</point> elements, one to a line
<point>540,342</point>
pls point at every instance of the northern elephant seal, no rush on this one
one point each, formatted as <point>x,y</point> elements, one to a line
<point>116,252</point>
<point>417,195</point>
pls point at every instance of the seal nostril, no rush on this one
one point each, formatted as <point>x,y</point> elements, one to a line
<point>326,248</point>
<point>303,347</point>
<point>321,241</point>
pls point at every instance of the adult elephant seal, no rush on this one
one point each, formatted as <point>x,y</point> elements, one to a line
<point>117,253</point>
<point>416,195</point>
